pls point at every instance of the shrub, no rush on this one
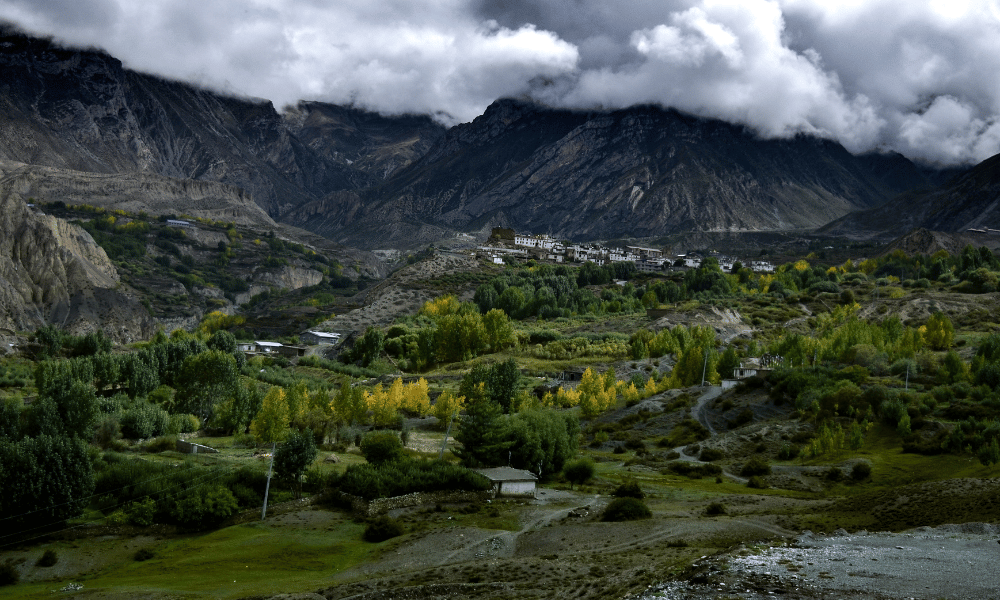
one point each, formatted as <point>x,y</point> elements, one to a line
<point>205,508</point>
<point>756,483</point>
<point>693,470</point>
<point>756,466</point>
<point>710,454</point>
<point>47,559</point>
<point>381,529</point>
<point>861,471</point>
<point>143,554</point>
<point>788,452</point>
<point>629,489</point>
<point>579,471</point>
<point>9,575</point>
<point>380,447</point>
<point>626,509</point>
<point>715,509</point>
<point>144,421</point>
<point>161,444</point>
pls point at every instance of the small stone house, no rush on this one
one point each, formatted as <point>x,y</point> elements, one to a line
<point>510,482</point>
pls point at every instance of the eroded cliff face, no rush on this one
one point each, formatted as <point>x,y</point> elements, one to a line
<point>52,272</point>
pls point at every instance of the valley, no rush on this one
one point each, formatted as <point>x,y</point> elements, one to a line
<point>722,365</point>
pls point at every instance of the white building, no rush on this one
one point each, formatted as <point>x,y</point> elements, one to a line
<point>510,482</point>
<point>320,338</point>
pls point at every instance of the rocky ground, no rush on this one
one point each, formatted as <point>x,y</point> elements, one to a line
<point>957,562</point>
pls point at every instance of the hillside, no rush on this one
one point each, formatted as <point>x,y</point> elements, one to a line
<point>970,200</point>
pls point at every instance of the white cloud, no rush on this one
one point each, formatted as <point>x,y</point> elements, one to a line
<point>918,76</point>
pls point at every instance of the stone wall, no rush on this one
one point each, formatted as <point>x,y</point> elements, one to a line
<point>381,506</point>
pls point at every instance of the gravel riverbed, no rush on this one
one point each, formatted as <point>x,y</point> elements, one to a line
<point>956,562</point>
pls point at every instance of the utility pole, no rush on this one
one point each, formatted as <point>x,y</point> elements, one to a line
<point>446,432</point>
<point>267,488</point>
<point>704,368</point>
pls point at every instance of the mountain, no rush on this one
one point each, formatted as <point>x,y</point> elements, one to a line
<point>638,172</point>
<point>970,200</point>
<point>373,181</point>
<point>82,110</point>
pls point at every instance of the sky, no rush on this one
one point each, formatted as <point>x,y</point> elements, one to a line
<point>921,77</point>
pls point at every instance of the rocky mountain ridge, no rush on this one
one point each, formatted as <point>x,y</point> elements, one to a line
<point>970,200</point>
<point>400,182</point>
<point>638,172</point>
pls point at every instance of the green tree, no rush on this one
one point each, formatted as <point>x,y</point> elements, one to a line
<point>579,471</point>
<point>482,433</point>
<point>204,380</point>
<point>294,457</point>
<point>45,480</point>
<point>542,440</point>
<point>380,447</point>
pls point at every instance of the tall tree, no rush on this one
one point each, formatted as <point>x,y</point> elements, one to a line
<point>482,433</point>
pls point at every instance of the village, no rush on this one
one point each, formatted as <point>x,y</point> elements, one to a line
<point>505,244</point>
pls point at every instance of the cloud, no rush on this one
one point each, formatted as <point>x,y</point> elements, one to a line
<point>917,76</point>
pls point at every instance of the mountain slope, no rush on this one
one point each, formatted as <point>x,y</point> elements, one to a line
<point>82,110</point>
<point>969,200</point>
<point>639,172</point>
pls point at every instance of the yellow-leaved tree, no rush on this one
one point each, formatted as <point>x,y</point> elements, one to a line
<point>271,422</point>
<point>447,406</point>
<point>416,399</point>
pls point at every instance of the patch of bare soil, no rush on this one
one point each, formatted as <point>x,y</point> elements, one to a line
<point>561,549</point>
<point>392,298</point>
<point>727,322</point>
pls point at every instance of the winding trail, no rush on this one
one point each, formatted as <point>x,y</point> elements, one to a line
<point>699,412</point>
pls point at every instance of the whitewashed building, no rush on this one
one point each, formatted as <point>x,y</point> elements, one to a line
<point>509,482</point>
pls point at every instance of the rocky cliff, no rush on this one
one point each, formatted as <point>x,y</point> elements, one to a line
<point>53,272</point>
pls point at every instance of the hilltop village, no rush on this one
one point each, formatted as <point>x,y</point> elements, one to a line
<point>507,244</point>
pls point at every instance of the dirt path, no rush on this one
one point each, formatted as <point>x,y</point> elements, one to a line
<point>700,410</point>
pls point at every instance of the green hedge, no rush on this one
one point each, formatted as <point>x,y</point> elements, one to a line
<point>406,477</point>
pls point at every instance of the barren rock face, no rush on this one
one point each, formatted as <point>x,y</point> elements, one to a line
<point>53,272</point>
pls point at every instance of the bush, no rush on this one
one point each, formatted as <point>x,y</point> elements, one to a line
<point>47,559</point>
<point>788,452</point>
<point>693,470</point>
<point>629,489</point>
<point>184,423</point>
<point>205,508</point>
<point>161,444</point>
<point>143,554</point>
<point>756,466</point>
<point>626,509</point>
<point>710,454</point>
<point>144,421</point>
<point>9,575</point>
<point>380,447</point>
<point>381,529</point>
<point>756,483</point>
<point>715,509</point>
<point>861,471</point>
<point>579,471</point>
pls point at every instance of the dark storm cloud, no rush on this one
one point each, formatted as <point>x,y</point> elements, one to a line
<point>918,76</point>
